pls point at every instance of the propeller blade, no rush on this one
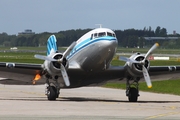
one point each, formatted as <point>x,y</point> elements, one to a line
<point>66,53</point>
<point>151,50</point>
<point>128,60</point>
<point>146,77</point>
<point>64,75</point>
<point>42,57</point>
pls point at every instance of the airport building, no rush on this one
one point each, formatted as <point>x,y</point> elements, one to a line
<point>161,38</point>
<point>27,32</point>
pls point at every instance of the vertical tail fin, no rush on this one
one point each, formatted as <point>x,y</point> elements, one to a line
<point>51,45</point>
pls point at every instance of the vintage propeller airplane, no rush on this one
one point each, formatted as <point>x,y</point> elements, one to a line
<point>85,62</point>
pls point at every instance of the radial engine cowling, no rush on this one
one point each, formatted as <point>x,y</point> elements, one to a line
<point>54,67</point>
<point>135,69</point>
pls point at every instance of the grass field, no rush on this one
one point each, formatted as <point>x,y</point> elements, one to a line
<point>124,50</point>
<point>167,86</point>
<point>144,50</point>
<point>23,57</point>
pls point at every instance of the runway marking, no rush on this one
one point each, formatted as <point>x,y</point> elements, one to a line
<point>173,107</point>
<point>162,115</point>
<point>155,107</point>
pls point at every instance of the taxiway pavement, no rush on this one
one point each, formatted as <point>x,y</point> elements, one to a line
<point>86,103</point>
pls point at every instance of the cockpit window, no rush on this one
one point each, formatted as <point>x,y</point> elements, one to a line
<point>101,34</point>
<point>91,37</point>
<point>95,35</point>
<point>114,35</point>
<point>109,34</point>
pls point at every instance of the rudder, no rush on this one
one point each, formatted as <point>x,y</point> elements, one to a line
<point>51,45</point>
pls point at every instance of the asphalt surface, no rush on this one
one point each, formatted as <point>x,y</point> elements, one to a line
<point>90,103</point>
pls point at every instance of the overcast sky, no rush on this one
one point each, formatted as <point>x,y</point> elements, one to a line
<point>56,15</point>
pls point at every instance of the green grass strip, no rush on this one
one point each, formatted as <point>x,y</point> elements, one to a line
<point>166,86</point>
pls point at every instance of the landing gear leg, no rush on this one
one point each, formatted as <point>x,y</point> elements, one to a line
<point>132,90</point>
<point>57,88</point>
<point>47,84</point>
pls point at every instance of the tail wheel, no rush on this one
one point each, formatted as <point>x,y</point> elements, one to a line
<point>52,93</point>
<point>133,95</point>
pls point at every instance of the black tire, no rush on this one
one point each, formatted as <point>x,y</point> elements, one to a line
<point>58,93</point>
<point>52,93</point>
<point>133,95</point>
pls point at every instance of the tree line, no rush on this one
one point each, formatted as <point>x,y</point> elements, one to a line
<point>126,38</point>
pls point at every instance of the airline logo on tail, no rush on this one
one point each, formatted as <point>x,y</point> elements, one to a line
<point>51,45</point>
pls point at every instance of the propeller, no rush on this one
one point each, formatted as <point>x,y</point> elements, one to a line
<point>128,60</point>
<point>63,70</point>
<point>146,77</point>
<point>42,57</point>
<point>65,76</point>
<point>142,62</point>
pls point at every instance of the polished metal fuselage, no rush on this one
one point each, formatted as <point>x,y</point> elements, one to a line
<point>97,56</point>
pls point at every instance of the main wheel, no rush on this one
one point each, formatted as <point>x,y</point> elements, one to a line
<point>58,92</point>
<point>133,95</point>
<point>52,93</point>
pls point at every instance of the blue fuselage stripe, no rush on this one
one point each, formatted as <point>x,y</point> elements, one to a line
<point>88,42</point>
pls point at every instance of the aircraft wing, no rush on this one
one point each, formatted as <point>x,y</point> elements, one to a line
<point>20,73</point>
<point>155,72</point>
<point>164,72</point>
<point>118,73</point>
<point>162,69</point>
<point>24,73</point>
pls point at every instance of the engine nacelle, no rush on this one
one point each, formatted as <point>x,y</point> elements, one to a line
<point>53,67</point>
<point>135,69</point>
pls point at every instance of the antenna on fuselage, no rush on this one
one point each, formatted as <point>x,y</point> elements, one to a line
<point>100,25</point>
